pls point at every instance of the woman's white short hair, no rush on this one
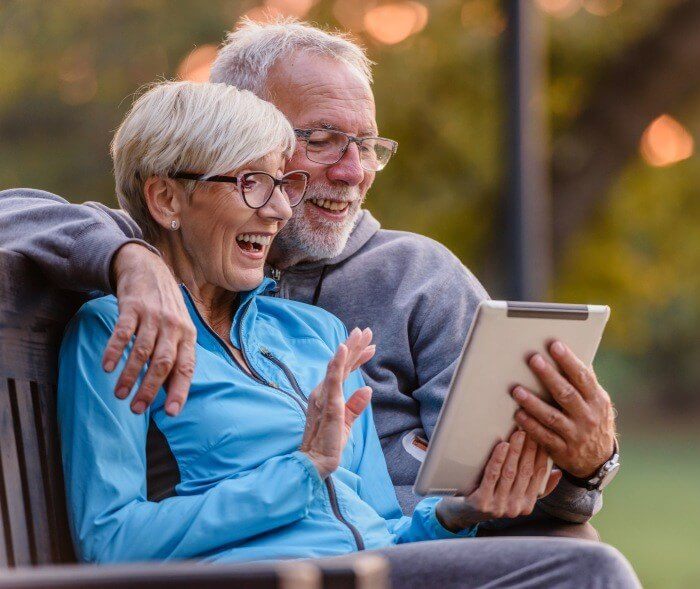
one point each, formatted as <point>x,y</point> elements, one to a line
<point>187,126</point>
<point>253,48</point>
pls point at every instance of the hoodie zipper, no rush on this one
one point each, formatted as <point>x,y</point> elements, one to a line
<point>330,486</point>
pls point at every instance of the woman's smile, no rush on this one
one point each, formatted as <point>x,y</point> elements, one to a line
<point>254,245</point>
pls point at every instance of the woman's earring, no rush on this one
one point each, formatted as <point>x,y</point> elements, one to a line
<point>174,225</point>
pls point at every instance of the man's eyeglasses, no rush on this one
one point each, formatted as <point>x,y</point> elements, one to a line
<point>256,188</point>
<point>328,146</point>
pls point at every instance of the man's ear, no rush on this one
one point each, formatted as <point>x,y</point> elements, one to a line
<point>163,200</point>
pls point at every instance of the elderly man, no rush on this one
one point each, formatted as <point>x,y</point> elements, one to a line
<point>417,297</point>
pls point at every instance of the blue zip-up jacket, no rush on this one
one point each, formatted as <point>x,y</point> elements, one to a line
<point>225,480</point>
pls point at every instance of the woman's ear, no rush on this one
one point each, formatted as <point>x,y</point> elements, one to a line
<point>163,200</point>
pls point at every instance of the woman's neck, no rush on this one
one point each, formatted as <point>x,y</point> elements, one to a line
<point>214,303</point>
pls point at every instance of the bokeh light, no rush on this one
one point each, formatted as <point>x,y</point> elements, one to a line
<point>77,76</point>
<point>560,8</point>
<point>351,13</point>
<point>195,67</point>
<point>666,142</point>
<point>602,7</point>
<point>392,23</point>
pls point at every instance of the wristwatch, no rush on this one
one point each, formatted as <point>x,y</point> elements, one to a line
<point>602,477</point>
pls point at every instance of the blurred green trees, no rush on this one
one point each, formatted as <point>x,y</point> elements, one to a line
<point>70,68</point>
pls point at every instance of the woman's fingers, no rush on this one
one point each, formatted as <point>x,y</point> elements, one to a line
<point>353,345</point>
<point>333,411</point>
<point>366,355</point>
<point>517,500</point>
<point>509,470</point>
<point>318,398</point>
<point>356,404</point>
<point>357,343</point>
<point>492,472</point>
<point>540,474</point>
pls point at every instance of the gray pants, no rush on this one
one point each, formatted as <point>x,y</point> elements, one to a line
<point>509,562</point>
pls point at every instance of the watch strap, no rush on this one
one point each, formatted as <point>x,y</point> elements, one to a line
<point>592,483</point>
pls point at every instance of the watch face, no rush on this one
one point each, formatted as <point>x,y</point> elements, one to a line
<point>609,476</point>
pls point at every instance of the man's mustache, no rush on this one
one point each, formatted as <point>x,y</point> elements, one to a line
<point>334,195</point>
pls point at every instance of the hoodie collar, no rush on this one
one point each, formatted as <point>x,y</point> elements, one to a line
<point>365,227</point>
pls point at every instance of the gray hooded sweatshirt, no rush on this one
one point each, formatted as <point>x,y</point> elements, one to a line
<point>415,295</point>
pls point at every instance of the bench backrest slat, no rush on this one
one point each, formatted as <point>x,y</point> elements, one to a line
<point>33,522</point>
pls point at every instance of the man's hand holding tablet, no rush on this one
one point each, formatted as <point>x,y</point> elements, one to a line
<point>515,372</point>
<point>509,487</point>
<point>580,434</point>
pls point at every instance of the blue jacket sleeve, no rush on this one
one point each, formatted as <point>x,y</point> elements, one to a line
<point>377,490</point>
<point>103,447</point>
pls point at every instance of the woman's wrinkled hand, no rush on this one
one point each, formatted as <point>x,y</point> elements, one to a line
<point>509,488</point>
<point>330,417</point>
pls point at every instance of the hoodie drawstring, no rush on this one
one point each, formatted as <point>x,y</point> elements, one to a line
<point>319,286</point>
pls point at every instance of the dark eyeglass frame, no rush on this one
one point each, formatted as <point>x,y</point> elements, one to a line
<point>305,134</point>
<point>240,179</point>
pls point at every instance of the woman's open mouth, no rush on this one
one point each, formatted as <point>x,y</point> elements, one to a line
<point>253,244</point>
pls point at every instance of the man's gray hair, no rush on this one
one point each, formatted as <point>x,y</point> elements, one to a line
<point>253,48</point>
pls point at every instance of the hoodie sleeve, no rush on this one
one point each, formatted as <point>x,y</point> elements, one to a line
<point>103,448</point>
<point>446,303</point>
<point>72,244</point>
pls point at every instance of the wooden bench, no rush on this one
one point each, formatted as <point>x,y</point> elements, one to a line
<point>34,536</point>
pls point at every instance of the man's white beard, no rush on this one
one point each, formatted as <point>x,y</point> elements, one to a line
<point>306,239</point>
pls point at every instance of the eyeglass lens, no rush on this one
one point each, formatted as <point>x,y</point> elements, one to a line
<point>327,147</point>
<point>257,188</point>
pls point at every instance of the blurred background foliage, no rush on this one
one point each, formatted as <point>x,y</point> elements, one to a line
<point>623,98</point>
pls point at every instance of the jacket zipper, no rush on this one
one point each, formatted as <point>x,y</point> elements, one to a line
<point>253,374</point>
<point>297,389</point>
<point>290,377</point>
<point>339,516</point>
<point>328,481</point>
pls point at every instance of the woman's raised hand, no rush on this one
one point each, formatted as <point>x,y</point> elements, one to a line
<point>330,417</point>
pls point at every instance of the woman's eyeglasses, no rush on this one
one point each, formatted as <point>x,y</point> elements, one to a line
<point>256,188</point>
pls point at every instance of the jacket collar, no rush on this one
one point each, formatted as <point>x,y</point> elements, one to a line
<point>205,335</point>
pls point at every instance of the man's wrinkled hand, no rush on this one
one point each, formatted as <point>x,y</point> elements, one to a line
<point>151,307</point>
<point>580,434</point>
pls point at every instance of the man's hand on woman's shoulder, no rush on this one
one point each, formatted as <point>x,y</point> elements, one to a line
<point>152,308</point>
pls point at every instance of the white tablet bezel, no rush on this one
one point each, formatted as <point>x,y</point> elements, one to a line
<point>478,411</point>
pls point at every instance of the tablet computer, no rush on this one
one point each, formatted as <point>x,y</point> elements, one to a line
<point>479,410</point>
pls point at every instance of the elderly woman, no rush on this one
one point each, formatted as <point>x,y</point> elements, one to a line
<point>244,471</point>
<point>275,454</point>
